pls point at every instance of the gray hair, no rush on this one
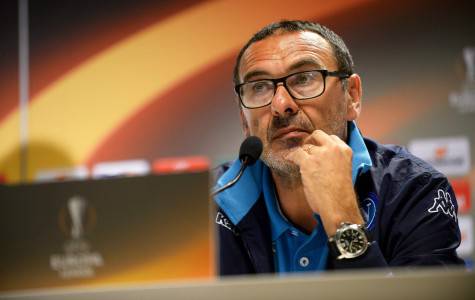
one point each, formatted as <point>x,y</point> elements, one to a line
<point>341,52</point>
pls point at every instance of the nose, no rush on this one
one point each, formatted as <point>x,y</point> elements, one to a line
<point>283,104</point>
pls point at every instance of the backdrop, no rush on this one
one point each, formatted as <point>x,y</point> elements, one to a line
<point>114,80</point>
<point>120,80</point>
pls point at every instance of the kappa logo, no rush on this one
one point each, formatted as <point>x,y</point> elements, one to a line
<point>224,221</point>
<point>443,203</point>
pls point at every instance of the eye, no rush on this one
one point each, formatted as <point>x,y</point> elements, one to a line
<point>260,87</point>
<point>303,78</point>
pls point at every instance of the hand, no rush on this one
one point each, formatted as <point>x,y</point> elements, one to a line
<point>325,168</point>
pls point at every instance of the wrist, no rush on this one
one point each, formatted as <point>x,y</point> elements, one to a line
<point>334,221</point>
<point>344,209</point>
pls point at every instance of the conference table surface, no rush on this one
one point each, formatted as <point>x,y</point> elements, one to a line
<point>453,284</point>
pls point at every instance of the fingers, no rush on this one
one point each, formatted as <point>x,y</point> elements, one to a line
<point>314,144</point>
<point>321,138</point>
<point>298,156</point>
<point>336,139</point>
<point>318,138</point>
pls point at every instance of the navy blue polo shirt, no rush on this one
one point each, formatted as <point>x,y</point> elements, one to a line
<point>294,250</point>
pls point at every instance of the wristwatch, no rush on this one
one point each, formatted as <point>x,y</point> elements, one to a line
<point>349,241</point>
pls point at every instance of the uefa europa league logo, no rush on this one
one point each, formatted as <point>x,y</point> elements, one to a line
<point>77,218</point>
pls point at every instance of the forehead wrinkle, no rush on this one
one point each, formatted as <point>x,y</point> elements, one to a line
<point>252,58</point>
<point>286,51</point>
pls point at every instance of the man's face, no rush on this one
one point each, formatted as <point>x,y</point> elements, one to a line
<point>286,122</point>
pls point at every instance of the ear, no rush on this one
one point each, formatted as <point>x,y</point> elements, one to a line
<point>245,127</point>
<point>354,94</point>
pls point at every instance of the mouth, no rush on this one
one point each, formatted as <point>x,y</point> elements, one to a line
<point>290,132</point>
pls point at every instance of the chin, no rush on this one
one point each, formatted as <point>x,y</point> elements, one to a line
<point>275,160</point>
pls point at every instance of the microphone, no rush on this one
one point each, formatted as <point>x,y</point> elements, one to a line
<point>249,153</point>
<point>251,150</point>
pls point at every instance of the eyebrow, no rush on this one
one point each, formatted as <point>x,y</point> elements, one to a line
<point>304,63</point>
<point>295,66</point>
<point>254,73</point>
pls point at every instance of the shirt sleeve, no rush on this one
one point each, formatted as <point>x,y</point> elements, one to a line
<point>417,226</point>
<point>425,230</point>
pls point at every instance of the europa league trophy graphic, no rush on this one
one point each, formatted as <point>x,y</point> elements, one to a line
<point>469,58</point>
<point>77,210</point>
<point>464,98</point>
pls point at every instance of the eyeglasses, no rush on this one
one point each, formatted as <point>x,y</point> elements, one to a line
<point>301,86</point>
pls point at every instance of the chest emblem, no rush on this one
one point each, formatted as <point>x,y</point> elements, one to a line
<point>369,210</point>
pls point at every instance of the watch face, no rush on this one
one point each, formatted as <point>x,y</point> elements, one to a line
<point>352,242</point>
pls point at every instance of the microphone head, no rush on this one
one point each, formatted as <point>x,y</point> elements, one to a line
<point>251,150</point>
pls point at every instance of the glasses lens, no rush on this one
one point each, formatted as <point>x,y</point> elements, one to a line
<point>305,84</point>
<point>257,93</point>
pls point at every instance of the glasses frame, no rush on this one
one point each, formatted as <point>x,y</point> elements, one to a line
<point>283,80</point>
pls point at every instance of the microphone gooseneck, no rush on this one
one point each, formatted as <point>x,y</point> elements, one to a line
<point>249,152</point>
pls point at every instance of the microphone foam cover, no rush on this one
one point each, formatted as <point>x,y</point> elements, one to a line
<point>251,148</point>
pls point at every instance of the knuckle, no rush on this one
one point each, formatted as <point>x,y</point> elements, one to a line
<point>347,150</point>
<point>319,132</point>
<point>315,133</point>
<point>332,149</point>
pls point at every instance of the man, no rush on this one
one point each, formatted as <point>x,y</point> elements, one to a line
<point>322,197</point>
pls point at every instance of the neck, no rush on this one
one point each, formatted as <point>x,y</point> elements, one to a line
<point>293,202</point>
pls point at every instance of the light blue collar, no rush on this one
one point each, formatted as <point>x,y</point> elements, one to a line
<point>239,199</point>
<point>361,162</point>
